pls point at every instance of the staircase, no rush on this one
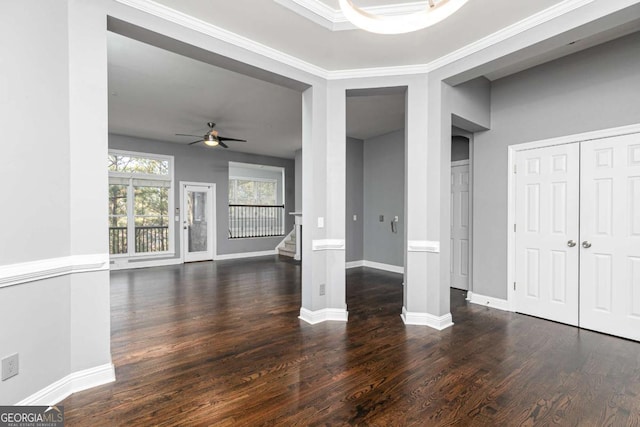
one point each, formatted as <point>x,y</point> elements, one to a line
<point>289,248</point>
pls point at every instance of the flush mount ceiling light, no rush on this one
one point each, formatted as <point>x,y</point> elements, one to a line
<point>434,12</point>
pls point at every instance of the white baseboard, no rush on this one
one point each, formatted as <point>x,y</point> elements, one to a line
<point>376,265</point>
<point>314,317</point>
<point>497,303</point>
<point>72,383</point>
<point>145,264</point>
<point>245,255</point>
<point>426,319</point>
<point>355,264</point>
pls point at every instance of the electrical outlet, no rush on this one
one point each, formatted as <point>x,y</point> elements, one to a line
<point>9,367</point>
<point>322,290</point>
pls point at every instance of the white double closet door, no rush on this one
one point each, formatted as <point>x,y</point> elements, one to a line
<point>577,240</point>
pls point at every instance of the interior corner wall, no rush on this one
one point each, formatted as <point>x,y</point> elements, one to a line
<point>384,169</point>
<point>594,89</point>
<point>355,201</point>
<point>202,164</point>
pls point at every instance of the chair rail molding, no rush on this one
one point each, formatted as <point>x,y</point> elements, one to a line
<point>31,271</point>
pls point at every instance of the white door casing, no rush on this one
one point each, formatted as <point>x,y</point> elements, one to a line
<point>460,219</point>
<point>610,230</point>
<point>547,233</point>
<point>197,221</point>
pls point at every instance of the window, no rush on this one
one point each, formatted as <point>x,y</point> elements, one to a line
<point>256,205</point>
<point>140,199</point>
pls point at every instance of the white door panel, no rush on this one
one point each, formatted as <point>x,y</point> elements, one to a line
<point>547,219</point>
<point>198,225</point>
<point>460,227</point>
<point>610,224</point>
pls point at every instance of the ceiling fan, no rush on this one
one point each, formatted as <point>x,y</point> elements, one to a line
<point>212,138</point>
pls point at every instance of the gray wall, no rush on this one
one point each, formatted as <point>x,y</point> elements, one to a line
<point>355,200</point>
<point>594,89</point>
<point>201,164</point>
<point>384,195</point>
<point>459,148</point>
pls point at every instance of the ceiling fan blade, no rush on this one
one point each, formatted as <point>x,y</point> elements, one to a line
<point>224,138</point>
<point>195,142</point>
<point>186,134</point>
<point>222,144</point>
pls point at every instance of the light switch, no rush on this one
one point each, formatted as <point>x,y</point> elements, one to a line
<point>355,217</point>
<point>320,222</point>
<point>381,219</point>
<point>395,218</point>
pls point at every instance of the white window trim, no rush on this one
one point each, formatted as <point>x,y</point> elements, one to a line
<point>130,214</point>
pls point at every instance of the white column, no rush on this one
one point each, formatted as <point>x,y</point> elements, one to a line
<point>324,182</point>
<point>426,297</point>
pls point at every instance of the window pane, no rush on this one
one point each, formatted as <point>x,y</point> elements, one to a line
<point>266,192</point>
<point>118,219</point>
<point>151,219</point>
<point>245,193</point>
<point>131,164</point>
<point>232,191</point>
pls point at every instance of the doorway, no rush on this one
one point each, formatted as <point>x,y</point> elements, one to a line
<point>197,219</point>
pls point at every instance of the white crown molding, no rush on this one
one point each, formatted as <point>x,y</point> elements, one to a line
<point>324,315</point>
<point>188,21</point>
<point>15,274</point>
<point>423,246</point>
<point>426,319</point>
<point>72,383</point>
<point>499,36</point>
<point>182,19</point>
<point>328,245</point>
<point>497,303</point>
<point>334,20</point>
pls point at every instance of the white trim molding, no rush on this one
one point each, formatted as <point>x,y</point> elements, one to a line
<point>241,255</point>
<point>423,246</point>
<point>377,265</point>
<point>460,163</point>
<point>355,264</point>
<point>491,302</point>
<point>426,319</point>
<point>72,383</point>
<point>15,274</point>
<point>328,245</point>
<point>326,314</point>
<point>129,264</point>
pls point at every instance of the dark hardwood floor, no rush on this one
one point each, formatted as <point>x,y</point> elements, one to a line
<point>221,344</point>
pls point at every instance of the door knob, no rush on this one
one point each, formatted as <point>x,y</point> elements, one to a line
<point>571,243</point>
<point>586,244</point>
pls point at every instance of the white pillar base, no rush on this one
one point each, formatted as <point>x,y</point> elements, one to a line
<point>426,319</point>
<point>326,314</point>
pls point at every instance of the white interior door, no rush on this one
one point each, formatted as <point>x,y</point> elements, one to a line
<point>460,227</point>
<point>610,236</point>
<point>197,222</point>
<point>547,230</point>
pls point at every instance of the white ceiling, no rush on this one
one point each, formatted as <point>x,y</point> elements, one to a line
<point>280,28</point>
<point>155,93</point>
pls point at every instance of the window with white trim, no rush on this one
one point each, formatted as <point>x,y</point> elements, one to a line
<point>140,202</point>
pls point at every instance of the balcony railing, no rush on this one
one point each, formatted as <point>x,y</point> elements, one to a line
<point>147,239</point>
<point>256,221</point>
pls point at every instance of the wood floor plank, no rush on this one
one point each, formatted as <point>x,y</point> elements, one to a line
<point>221,344</point>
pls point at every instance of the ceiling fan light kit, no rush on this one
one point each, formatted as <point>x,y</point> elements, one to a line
<point>212,138</point>
<point>434,12</point>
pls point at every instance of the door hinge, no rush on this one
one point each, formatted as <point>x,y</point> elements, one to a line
<point>514,286</point>
<point>514,228</point>
<point>515,168</point>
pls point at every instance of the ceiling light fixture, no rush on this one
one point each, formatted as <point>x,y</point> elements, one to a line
<point>211,140</point>
<point>434,12</point>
